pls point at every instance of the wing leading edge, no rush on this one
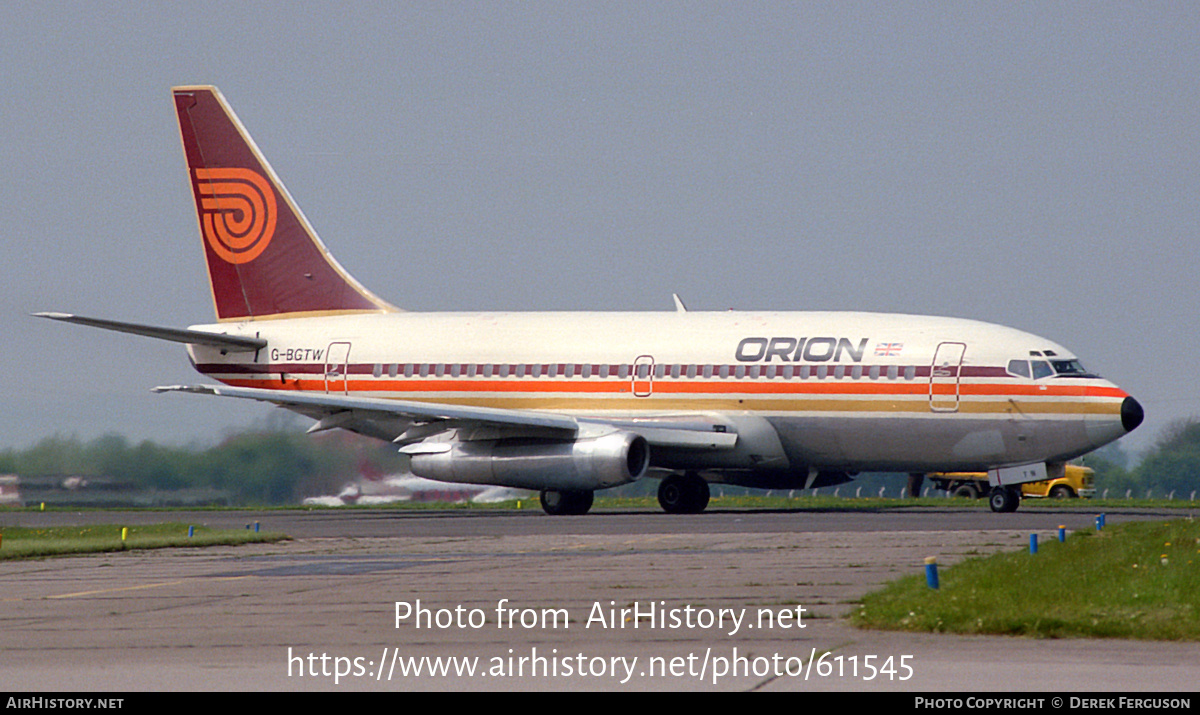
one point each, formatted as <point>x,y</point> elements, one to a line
<point>407,422</point>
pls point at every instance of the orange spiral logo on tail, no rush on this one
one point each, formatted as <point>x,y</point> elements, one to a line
<point>237,212</point>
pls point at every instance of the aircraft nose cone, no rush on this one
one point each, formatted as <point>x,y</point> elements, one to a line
<point>1131,414</point>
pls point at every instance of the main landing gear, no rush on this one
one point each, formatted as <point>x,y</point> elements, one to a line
<point>566,503</point>
<point>1004,499</point>
<point>683,494</point>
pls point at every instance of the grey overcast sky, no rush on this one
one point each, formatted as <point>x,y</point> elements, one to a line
<point>1030,164</point>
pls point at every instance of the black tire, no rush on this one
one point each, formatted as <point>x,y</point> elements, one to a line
<point>1062,491</point>
<point>683,494</point>
<point>1004,499</point>
<point>566,503</point>
<point>968,491</point>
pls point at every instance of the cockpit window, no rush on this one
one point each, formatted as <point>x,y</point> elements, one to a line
<point>1019,368</point>
<point>1044,368</point>
<point>1070,368</point>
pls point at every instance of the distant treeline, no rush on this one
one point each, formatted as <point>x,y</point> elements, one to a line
<point>253,468</point>
<point>283,466</point>
<point>1171,466</point>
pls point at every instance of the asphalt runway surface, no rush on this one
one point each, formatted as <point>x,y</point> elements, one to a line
<point>515,600</point>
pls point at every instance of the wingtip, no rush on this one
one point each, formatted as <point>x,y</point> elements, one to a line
<point>194,389</point>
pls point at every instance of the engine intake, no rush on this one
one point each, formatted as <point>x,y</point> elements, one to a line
<point>584,464</point>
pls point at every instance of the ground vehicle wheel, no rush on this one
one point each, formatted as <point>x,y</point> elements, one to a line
<point>1062,491</point>
<point>683,494</point>
<point>969,491</point>
<point>566,503</point>
<point>1004,499</point>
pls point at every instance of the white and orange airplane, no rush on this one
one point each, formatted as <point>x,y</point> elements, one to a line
<point>570,403</point>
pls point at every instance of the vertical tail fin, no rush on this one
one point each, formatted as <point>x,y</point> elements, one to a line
<point>264,260</point>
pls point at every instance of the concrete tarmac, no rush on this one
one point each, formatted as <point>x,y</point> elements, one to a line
<point>521,601</point>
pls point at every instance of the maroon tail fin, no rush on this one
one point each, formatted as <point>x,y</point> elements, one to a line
<point>264,260</point>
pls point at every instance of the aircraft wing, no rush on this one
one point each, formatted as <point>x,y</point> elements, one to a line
<point>408,422</point>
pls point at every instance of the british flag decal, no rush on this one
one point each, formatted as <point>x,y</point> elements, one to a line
<point>888,349</point>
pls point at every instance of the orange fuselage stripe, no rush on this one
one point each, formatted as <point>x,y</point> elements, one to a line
<point>582,395</point>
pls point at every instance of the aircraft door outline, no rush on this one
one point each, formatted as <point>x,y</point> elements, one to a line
<point>337,367</point>
<point>643,376</point>
<point>944,377</point>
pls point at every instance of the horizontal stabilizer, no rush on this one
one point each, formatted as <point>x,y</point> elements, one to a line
<point>228,343</point>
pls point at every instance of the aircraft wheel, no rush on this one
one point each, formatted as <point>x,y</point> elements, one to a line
<point>683,494</point>
<point>1004,499</point>
<point>566,503</point>
<point>1062,491</point>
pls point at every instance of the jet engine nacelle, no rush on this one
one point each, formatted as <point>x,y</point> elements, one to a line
<point>584,464</point>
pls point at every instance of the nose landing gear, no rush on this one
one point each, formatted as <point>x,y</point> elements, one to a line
<point>1004,499</point>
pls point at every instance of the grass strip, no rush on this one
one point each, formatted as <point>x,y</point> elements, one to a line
<point>800,500</point>
<point>23,543</point>
<point>1137,580</point>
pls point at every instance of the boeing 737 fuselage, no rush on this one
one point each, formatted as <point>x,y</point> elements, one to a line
<point>569,403</point>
